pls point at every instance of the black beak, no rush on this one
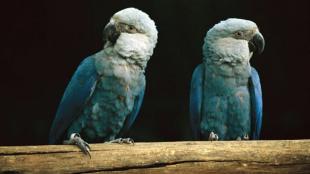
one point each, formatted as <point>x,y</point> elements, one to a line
<point>257,43</point>
<point>110,33</point>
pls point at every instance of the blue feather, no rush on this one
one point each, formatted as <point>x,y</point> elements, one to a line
<point>196,93</point>
<point>135,111</point>
<point>77,93</point>
<point>256,104</point>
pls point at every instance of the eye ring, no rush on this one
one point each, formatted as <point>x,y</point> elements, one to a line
<point>239,33</point>
<point>130,27</point>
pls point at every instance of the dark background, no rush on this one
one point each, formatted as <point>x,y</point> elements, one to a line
<point>43,42</point>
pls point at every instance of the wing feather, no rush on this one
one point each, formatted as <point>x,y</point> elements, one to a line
<point>76,95</point>
<point>196,94</point>
<point>133,115</point>
<point>256,104</point>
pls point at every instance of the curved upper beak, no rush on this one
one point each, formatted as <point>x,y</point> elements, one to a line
<point>110,33</point>
<point>257,43</point>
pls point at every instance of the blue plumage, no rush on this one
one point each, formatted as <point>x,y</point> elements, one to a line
<point>77,94</point>
<point>105,94</point>
<point>196,101</point>
<point>256,104</point>
<point>117,107</point>
<point>132,117</point>
<point>225,96</point>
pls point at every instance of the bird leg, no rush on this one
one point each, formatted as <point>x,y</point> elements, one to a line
<point>122,141</point>
<point>75,139</point>
<point>213,136</point>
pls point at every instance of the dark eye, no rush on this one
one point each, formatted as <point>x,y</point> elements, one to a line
<point>131,27</point>
<point>239,34</point>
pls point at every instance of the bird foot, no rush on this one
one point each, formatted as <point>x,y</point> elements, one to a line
<point>245,137</point>
<point>75,139</point>
<point>213,136</point>
<point>122,141</point>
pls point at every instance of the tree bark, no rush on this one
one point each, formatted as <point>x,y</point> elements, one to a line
<point>284,156</point>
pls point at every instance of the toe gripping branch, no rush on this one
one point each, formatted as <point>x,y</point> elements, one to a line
<point>122,141</point>
<point>75,139</point>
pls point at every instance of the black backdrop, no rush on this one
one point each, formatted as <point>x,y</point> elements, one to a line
<point>43,42</point>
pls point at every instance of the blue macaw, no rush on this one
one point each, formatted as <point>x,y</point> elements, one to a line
<point>226,96</point>
<point>105,93</point>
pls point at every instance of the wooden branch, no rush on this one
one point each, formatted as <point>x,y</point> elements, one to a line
<point>285,156</point>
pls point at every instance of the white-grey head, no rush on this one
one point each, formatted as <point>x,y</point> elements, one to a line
<point>232,41</point>
<point>132,34</point>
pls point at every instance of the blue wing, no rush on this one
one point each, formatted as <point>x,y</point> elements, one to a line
<point>196,93</point>
<point>256,104</point>
<point>133,115</point>
<point>77,93</point>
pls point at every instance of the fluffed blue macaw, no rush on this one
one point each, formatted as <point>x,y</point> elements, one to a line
<point>105,93</point>
<point>226,96</point>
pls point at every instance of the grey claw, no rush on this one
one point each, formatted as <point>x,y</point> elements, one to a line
<point>213,136</point>
<point>128,141</point>
<point>75,139</point>
<point>246,137</point>
<point>122,141</point>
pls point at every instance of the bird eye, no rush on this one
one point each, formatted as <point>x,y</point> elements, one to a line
<point>239,34</point>
<point>127,28</point>
<point>130,27</point>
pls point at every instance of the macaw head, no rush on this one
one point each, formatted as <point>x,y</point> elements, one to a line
<point>232,41</point>
<point>132,33</point>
